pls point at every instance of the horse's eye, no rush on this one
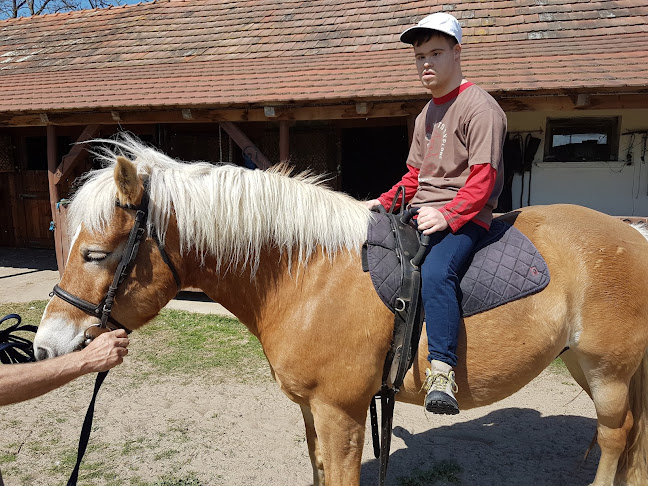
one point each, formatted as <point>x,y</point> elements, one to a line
<point>94,255</point>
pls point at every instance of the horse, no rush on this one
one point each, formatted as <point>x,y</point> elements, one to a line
<point>282,252</point>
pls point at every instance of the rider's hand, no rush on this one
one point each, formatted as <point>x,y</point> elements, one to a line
<point>105,352</point>
<point>431,220</point>
<point>371,204</point>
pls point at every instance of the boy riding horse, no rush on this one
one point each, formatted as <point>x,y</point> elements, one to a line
<point>455,175</point>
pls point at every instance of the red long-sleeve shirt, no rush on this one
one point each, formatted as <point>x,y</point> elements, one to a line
<point>469,200</point>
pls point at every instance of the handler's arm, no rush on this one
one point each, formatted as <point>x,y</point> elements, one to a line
<point>19,382</point>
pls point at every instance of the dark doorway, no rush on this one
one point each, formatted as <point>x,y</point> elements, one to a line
<point>373,159</point>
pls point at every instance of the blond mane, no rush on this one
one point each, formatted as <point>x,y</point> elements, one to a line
<point>226,211</point>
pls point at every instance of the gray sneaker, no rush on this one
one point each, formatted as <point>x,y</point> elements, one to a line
<point>440,387</point>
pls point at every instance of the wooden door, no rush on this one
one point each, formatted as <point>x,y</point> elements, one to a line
<point>34,207</point>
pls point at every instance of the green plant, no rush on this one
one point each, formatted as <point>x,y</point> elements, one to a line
<point>446,471</point>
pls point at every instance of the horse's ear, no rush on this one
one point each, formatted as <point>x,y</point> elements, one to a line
<point>129,186</point>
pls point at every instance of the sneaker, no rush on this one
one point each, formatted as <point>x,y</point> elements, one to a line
<point>440,387</point>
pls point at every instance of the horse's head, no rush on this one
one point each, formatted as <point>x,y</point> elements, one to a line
<point>116,257</point>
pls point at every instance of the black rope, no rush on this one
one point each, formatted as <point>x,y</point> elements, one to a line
<point>15,349</point>
<point>85,430</point>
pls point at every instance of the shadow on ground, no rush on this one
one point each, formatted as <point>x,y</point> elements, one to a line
<point>509,447</point>
<point>28,259</point>
<point>192,296</point>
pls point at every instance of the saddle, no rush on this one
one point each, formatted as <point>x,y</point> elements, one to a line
<point>504,266</point>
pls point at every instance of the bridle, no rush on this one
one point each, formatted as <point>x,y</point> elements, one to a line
<point>103,309</point>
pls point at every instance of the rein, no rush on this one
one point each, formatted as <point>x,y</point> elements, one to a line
<point>103,309</point>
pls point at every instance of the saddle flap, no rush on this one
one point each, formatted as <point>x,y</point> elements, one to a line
<point>389,244</point>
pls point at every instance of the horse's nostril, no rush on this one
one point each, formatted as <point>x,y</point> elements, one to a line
<point>41,353</point>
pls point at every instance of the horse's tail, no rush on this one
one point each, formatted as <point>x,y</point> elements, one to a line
<point>633,464</point>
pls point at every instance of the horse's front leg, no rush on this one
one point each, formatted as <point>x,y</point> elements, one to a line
<point>313,447</point>
<point>340,437</point>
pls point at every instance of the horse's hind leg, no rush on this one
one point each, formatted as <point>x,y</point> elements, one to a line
<point>610,396</point>
<point>313,447</point>
<point>340,437</point>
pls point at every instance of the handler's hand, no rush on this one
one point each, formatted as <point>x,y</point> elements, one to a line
<point>431,220</point>
<point>371,204</point>
<point>105,352</point>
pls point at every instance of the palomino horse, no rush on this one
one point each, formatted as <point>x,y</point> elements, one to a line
<point>283,254</point>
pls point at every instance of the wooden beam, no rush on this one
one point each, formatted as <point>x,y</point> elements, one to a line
<point>77,154</point>
<point>560,102</point>
<point>246,145</point>
<point>342,111</point>
<point>284,141</point>
<point>217,115</point>
<point>54,195</point>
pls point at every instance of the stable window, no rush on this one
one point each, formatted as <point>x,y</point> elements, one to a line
<point>582,139</point>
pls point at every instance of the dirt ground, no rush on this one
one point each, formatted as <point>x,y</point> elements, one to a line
<point>234,430</point>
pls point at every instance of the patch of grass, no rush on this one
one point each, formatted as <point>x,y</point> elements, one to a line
<point>7,458</point>
<point>30,312</point>
<point>184,342</point>
<point>442,471</point>
<point>168,454</point>
<point>558,366</point>
<point>131,446</point>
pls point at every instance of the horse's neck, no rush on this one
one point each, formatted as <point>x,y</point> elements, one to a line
<point>250,298</point>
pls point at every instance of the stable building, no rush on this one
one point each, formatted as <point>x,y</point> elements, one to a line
<point>324,85</point>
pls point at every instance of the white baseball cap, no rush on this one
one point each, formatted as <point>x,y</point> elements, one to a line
<point>439,21</point>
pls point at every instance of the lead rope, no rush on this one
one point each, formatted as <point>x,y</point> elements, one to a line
<point>14,348</point>
<point>85,430</point>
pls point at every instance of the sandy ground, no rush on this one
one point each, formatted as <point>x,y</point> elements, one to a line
<point>235,431</point>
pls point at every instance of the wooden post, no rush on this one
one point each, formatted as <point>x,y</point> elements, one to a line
<point>52,164</point>
<point>284,141</point>
<point>246,145</point>
<point>76,155</point>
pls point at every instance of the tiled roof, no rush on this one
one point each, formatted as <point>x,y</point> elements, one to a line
<point>225,52</point>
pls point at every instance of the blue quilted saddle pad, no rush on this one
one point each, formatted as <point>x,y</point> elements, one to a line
<point>505,266</point>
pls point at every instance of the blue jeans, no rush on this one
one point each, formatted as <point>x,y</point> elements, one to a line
<point>440,291</point>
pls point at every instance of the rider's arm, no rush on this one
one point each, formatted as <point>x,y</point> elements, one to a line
<point>471,198</point>
<point>410,183</point>
<point>19,382</point>
<point>485,141</point>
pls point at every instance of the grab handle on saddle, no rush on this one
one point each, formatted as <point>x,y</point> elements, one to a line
<point>424,240</point>
<point>408,214</point>
<point>420,254</point>
<point>400,192</point>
